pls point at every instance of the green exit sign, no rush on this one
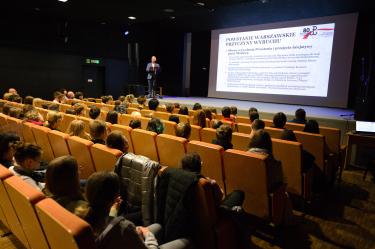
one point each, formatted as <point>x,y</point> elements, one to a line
<point>92,61</point>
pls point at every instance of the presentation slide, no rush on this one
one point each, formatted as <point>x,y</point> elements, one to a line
<point>304,61</point>
<point>292,61</point>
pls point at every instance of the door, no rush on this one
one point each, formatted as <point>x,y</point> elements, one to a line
<point>93,81</point>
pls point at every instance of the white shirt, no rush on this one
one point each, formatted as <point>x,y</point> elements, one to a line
<point>28,179</point>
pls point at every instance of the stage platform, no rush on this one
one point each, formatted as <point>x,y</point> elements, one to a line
<point>326,116</point>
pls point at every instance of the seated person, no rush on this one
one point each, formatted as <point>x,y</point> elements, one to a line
<point>28,157</point>
<point>8,145</point>
<point>116,140</point>
<point>16,112</point>
<point>98,131</point>
<point>112,117</point>
<point>79,109</point>
<point>233,113</point>
<point>70,95</point>
<point>224,137</point>
<point>183,110</point>
<point>58,97</point>
<point>34,117</point>
<point>136,115</point>
<point>312,126</point>
<point>199,118</point>
<point>54,107</point>
<point>94,112</point>
<point>70,111</point>
<point>253,116</point>
<point>300,117</point>
<point>77,128</point>
<point>279,120</point>
<point>79,95</point>
<point>63,185</point>
<point>28,100</point>
<point>155,125</point>
<point>135,124</point>
<point>258,124</point>
<point>129,99</point>
<point>253,109</point>
<point>53,120</point>
<point>141,100</point>
<point>183,130</point>
<point>216,124</point>
<point>169,107</point>
<point>197,106</point>
<point>153,104</point>
<point>226,114</point>
<point>105,99</point>
<point>176,105</point>
<point>120,107</point>
<point>208,114</point>
<point>174,118</point>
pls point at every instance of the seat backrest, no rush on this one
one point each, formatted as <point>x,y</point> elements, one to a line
<point>240,141</point>
<point>124,119</point>
<point>129,110</point>
<point>247,171</point>
<point>63,229</point>
<point>244,128</point>
<point>42,112</point>
<point>63,107</point>
<point>144,122</point>
<point>103,115</point>
<point>65,122</point>
<point>12,221</point>
<point>146,113</point>
<point>243,119</point>
<point>313,143</point>
<point>24,197</point>
<point>183,118</point>
<point>27,132</point>
<point>294,126</point>
<point>290,155</point>
<point>212,158</point>
<point>268,122</point>
<point>208,134</point>
<point>87,123</point>
<point>161,115</point>
<point>104,157</point>
<point>333,137</point>
<point>161,109</point>
<point>80,149</point>
<point>195,133</point>
<point>171,149</point>
<point>3,122</point>
<point>59,143</point>
<point>14,125</point>
<point>274,132</point>
<point>144,143</point>
<point>126,130</point>
<point>41,138</point>
<point>169,127</point>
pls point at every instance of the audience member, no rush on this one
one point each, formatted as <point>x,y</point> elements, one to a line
<point>300,116</point>
<point>12,91</point>
<point>29,100</point>
<point>79,109</point>
<point>174,118</point>
<point>79,95</point>
<point>253,109</point>
<point>129,99</point>
<point>199,118</point>
<point>116,140</point>
<point>70,95</point>
<point>312,126</point>
<point>77,128</point>
<point>169,107</point>
<point>112,117</point>
<point>226,114</point>
<point>34,117</point>
<point>53,107</point>
<point>155,125</point>
<point>153,104</point>
<point>105,99</point>
<point>224,137</point>
<point>6,108</point>
<point>253,116</point>
<point>183,130</point>
<point>53,120</point>
<point>176,105</point>
<point>183,110</point>
<point>233,112</point>
<point>58,97</point>
<point>197,106</point>
<point>136,115</point>
<point>279,120</point>
<point>141,100</point>
<point>216,124</point>
<point>120,107</point>
<point>94,112</point>
<point>208,113</point>
<point>135,124</point>
<point>15,112</point>
<point>8,146</point>
<point>70,111</point>
<point>98,131</point>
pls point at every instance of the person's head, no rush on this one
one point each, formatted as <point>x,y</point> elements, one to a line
<point>28,156</point>
<point>102,189</point>
<point>116,140</point>
<point>15,112</point>
<point>155,125</point>
<point>135,124</point>
<point>121,98</point>
<point>94,112</point>
<point>312,126</point>
<point>98,129</point>
<point>58,96</point>
<point>63,91</point>
<point>141,100</point>
<point>192,162</point>
<point>279,120</point>
<point>153,104</point>
<point>6,108</point>
<point>129,98</point>
<point>136,115</point>
<point>79,95</point>
<point>174,118</point>
<point>33,116</point>
<point>225,112</point>
<point>53,119</point>
<point>112,117</point>
<point>183,130</point>
<point>257,125</point>
<point>118,102</point>
<point>213,110</point>
<point>70,95</point>
<point>27,108</point>
<point>15,98</point>
<point>216,124</point>
<point>176,105</point>
<point>301,114</point>
<point>253,116</point>
<point>208,113</point>
<point>261,140</point>
<point>183,110</point>
<point>169,107</point>
<point>79,109</point>
<point>62,177</point>
<point>199,118</point>
<point>28,100</point>
<point>288,135</point>
<point>153,59</point>
<point>54,107</point>
<point>105,99</point>
<point>224,133</point>
<point>233,110</point>
<point>253,109</point>
<point>70,111</point>
<point>76,128</point>
<point>8,145</point>
<point>12,91</point>
<point>197,106</point>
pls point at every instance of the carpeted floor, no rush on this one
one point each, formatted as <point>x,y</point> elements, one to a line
<point>344,217</point>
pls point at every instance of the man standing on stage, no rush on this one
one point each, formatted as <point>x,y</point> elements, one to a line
<point>152,70</point>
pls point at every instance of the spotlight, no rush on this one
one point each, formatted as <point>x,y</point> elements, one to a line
<point>202,4</point>
<point>64,1</point>
<point>132,17</point>
<point>126,33</point>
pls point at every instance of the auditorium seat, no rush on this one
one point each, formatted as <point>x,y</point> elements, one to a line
<point>63,229</point>
<point>63,107</point>
<point>129,110</point>
<point>144,143</point>
<point>87,123</point>
<point>192,112</point>
<point>67,119</point>
<point>274,132</point>
<point>161,115</point>
<point>59,143</point>
<point>161,109</point>
<point>243,120</point>
<point>14,125</point>
<point>42,112</point>
<point>268,122</point>
<point>169,127</point>
<point>212,158</point>
<point>124,119</point>
<point>80,149</point>
<point>333,137</point>
<point>290,155</point>
<point>27,132</point>
<point>244,128</point>
<point>208,134</point>
<point>104,158</point>
<point>103,115</point>
<point>171,149</point>
<point>183,118</point>
<point>144,122</point>
<point>41,138</point>
<point>4,173</point>
<point>12,220</point>
<point>195,133</point>
<point>3,121</point>
<point>24,197</point>
<point>240,141</point>
<point>147,113</point>
<point>294,126</point>
<point>247,171</point>
<point>126,130</point>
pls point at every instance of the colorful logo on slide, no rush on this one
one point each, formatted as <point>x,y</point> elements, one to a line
<point>316,31</point>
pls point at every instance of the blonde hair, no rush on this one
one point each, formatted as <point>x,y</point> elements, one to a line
<point>52,118</point>
<point>77,128</point>
<point>136,115</point>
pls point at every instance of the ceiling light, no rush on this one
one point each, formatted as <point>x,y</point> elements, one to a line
<point>63,1</point>
<point>264,1</point>
<point>168,10</point>
<point>172,17</point>
<point>201,4</point>
<point>132,17</point>
<point>126,33</point>
<point>103,23</point>
<point>37,9</point>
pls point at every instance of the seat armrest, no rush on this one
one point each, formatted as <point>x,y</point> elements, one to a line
<point>307,178</point>
<point>277,199</point>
